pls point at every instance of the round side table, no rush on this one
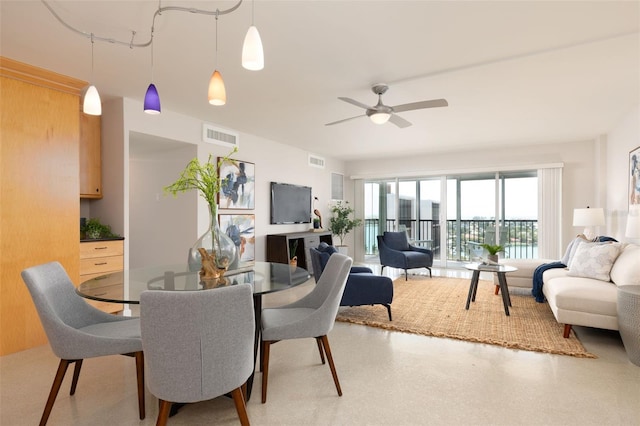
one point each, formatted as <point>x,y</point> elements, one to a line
<point>629,320</point>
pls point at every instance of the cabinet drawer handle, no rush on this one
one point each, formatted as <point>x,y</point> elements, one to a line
<point>101,263</point>
<point>101,248</point>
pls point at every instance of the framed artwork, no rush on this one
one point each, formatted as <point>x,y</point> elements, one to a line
<point>241,229</point>
<point>237,184</point>
<point>634,177</point>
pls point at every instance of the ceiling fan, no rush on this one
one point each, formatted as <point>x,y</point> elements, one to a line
<point>381,113</point>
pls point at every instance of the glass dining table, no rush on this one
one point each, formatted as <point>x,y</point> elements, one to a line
<point>126,286</point>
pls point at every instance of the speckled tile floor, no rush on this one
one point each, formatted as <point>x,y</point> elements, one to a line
<point>388,378</point>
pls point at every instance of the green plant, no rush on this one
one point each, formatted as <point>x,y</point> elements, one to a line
<point>340,224</point>
<point>202,177</point>
<point>293,248</point>
<point>93,230</point>
<point>492,249</point>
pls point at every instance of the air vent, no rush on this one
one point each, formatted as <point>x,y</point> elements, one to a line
<point>211,134</point>
<point>337,186</point>
<point>315,161</point>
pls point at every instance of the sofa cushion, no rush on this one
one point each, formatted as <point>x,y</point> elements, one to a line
<point>397,240</point>
<point>594,260</point>
<point>326,251</point>
<point>626,269</point>
<point>571,249</point>
<point>582,295</point>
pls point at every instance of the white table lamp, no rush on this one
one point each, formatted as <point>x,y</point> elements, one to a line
<point>589,218</point>
<point>633,223</point>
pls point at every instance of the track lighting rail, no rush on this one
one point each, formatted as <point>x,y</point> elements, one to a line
<point>131,44</point>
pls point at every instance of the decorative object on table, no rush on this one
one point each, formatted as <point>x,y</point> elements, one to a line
<point>589,218</point>
<point>92,229</point>
<point>241,229</point>
<point>634,177</point>
<point>204,178</point>
<point>238,184</point>
<point>493,250</point>
<point>293,249</point>
<point>340,224</point>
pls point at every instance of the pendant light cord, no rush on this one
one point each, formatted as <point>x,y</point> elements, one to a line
<point>216,64</point>
<point>92,42</point>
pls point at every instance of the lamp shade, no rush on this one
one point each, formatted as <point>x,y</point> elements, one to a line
<point>633,222</point>
<point>152,100</point>
<point>380,117</point>
<point>588,217</point>
<point>252,52</point>
<point>217,92</point>
<point>92,104</point>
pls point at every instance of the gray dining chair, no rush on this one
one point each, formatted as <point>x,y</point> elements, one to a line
<point>311,316</point>
<point>198,345</point>
<point>77,330</point>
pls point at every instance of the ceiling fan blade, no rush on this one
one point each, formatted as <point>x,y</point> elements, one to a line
<point>354,102</point>
<point>419,105</point>
<point>399,121</point>
<point>343,120</point>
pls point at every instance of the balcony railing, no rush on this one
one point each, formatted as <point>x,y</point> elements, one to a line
<point>520,237</point>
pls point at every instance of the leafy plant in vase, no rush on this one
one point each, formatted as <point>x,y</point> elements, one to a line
<point>293,258</point>
<point>214,251</point>
<point>493,251</point>
<point>340,224</point>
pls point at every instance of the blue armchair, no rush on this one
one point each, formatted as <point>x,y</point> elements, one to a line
<point>395,251</point>
<point>362,288</point>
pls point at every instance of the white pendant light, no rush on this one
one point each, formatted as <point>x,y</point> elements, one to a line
<point>217,92</point>
<point>252,53</point>
<point>91,104</point>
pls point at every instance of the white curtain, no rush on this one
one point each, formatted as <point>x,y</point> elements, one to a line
<point>550,213</point>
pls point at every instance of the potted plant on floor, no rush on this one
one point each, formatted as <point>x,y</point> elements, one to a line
<point>340,224</point>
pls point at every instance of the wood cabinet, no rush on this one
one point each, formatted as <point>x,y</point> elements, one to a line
<point>279,246</point>
<point>99,258</point>
<point>39,169</point>
<point>90,157</point>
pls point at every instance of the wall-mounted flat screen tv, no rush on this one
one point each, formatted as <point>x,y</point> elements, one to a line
<point>290,203</point>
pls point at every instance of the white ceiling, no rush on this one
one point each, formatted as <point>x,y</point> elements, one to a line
<point>513,72</point>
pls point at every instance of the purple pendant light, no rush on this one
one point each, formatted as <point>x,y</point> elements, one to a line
<point>151,98</point>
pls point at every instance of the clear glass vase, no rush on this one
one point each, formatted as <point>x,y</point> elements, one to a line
<point>215,242</point>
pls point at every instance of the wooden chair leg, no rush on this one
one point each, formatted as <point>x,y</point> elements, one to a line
<point>497,290</point>
<point>241,407</point>
<point>140,375</point>
<point>55,387</point>
<point>265,369</point>
<point>163,413</point>
<point>567,331</point>
<point>319,342</point>
<point>327,350</point>
<point>76,374</point>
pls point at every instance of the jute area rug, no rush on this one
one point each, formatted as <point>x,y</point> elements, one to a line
<point>436,307</point>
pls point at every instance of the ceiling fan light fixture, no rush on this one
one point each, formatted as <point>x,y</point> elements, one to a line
<point>252,52</point>
<point>380,117</point>
<point>91,104</point>
<point>217,92</point>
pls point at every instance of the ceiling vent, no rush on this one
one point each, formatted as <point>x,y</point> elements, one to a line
<point>212,134</point>
<point>315,161</point>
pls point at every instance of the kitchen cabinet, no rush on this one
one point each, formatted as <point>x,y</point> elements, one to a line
<point>100,259</point>
<point>90,156</point>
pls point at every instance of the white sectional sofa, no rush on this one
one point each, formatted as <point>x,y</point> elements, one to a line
<point>584,293</point>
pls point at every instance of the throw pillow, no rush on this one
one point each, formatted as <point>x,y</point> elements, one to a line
<point>568,254</point>
<point>594,260</point>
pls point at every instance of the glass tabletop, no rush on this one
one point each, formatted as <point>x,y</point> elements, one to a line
<point>126,286</point>
<point>479,266</point>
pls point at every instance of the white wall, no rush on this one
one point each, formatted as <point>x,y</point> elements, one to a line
<point>624,137</point>
<point>273,161</point>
